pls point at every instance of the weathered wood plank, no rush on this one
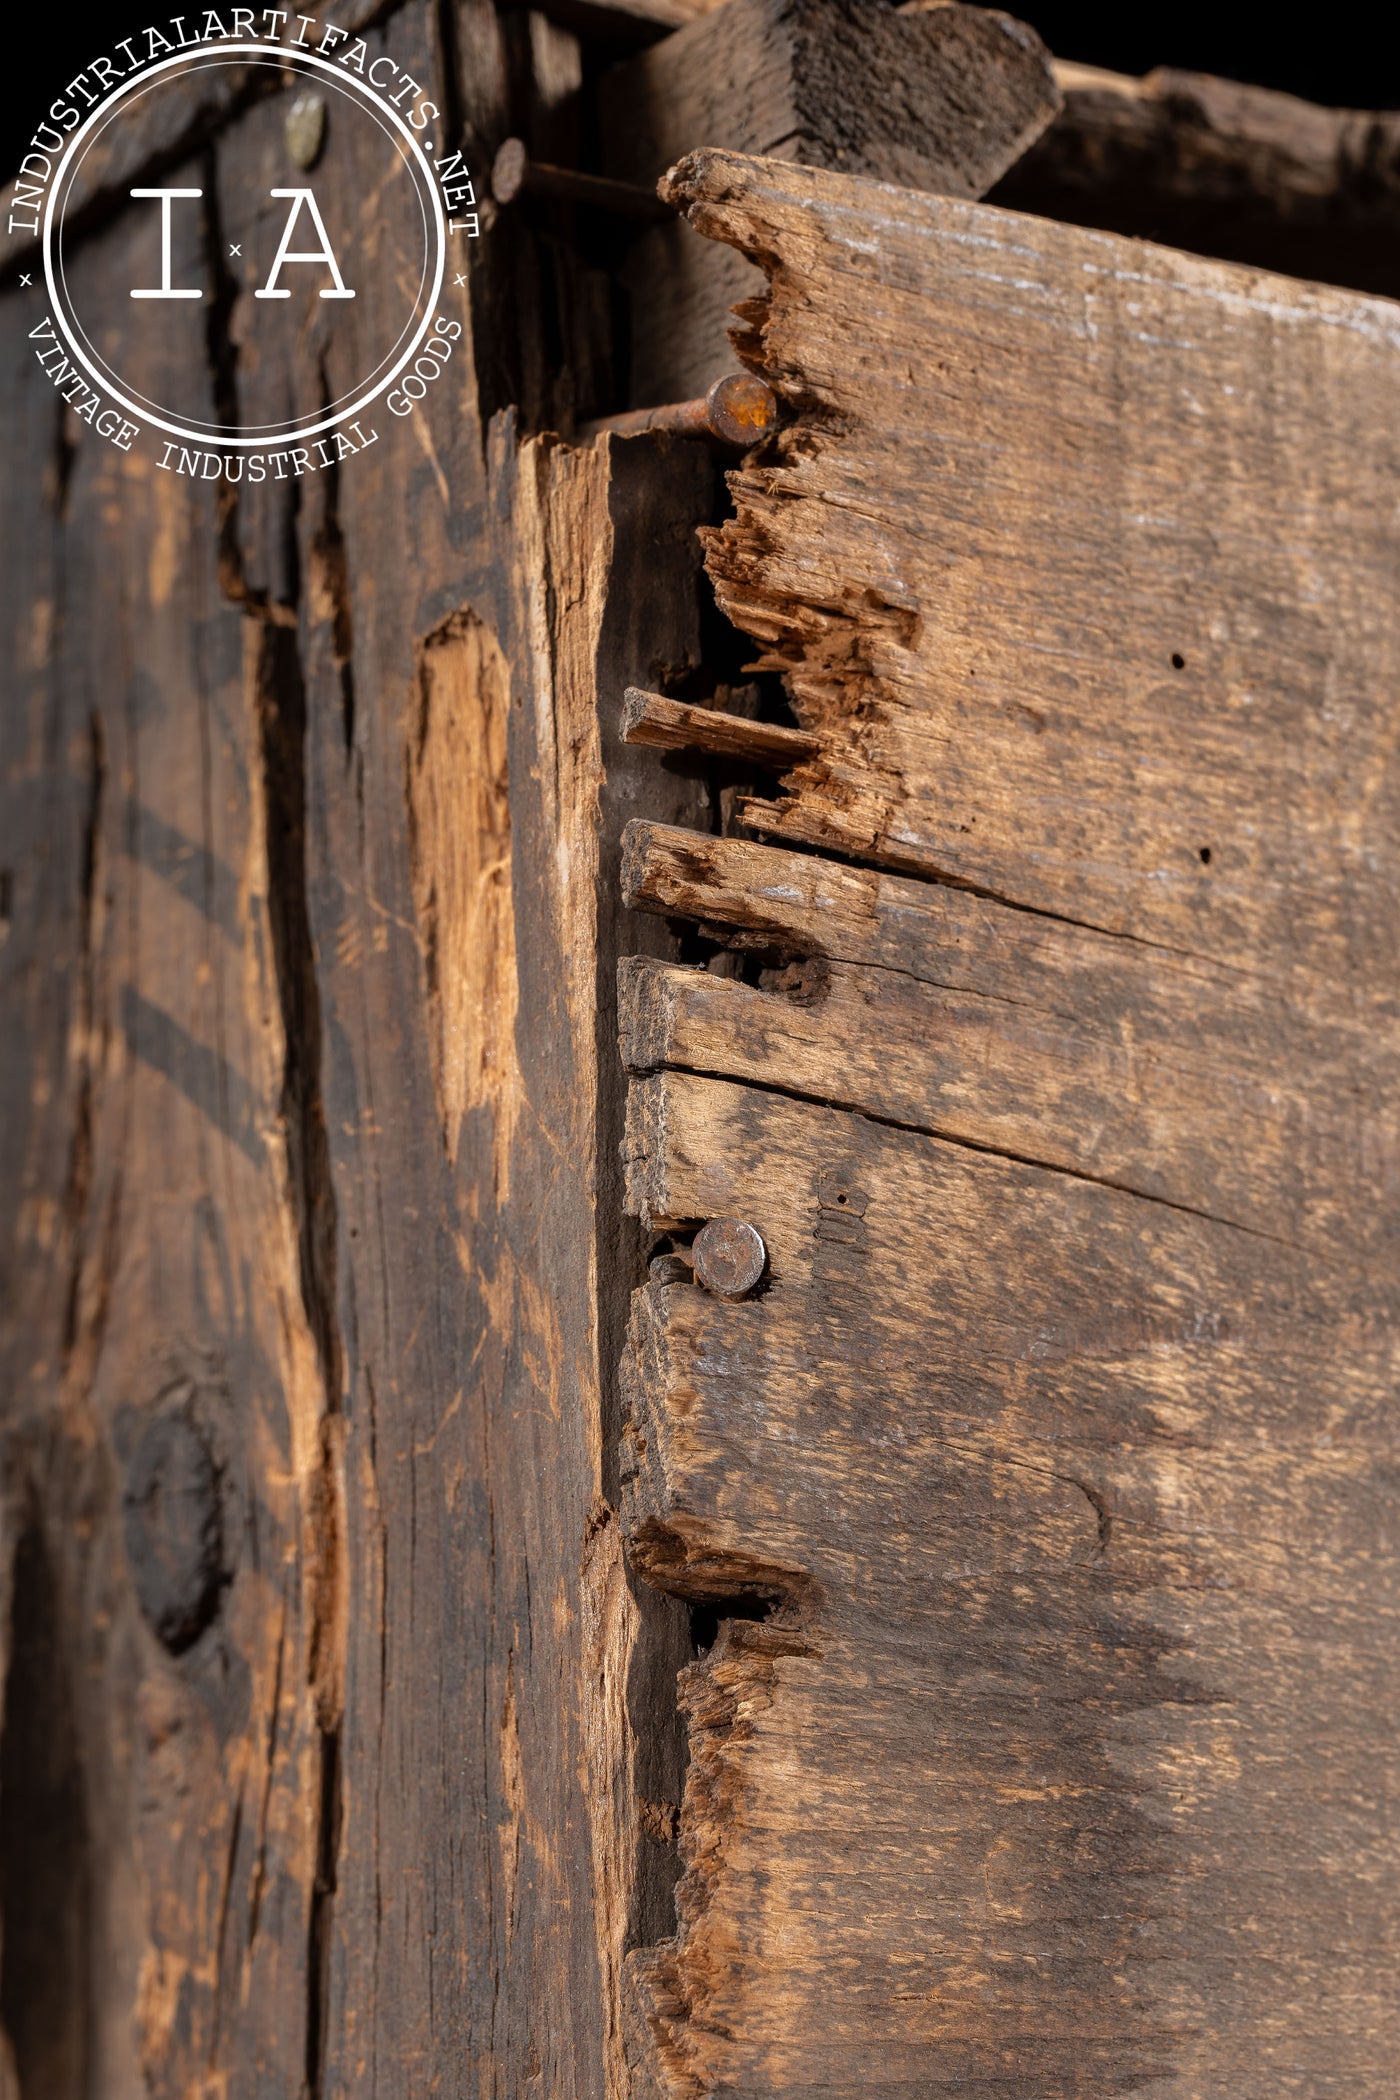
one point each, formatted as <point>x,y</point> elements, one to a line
<point>457,918</point>
<point>1183,1079</point>
<point>1077,1520</point>
<point>1221,168</point>
<point>156,133</point>
<point>358,1748</point>
<point>941,99</point>
<point>1060,1759</point>
<point>1029,401</point>
<point>676,725</point>
<point>172,1487</point>
<point>1044,1488</point>
<point>657,489</point>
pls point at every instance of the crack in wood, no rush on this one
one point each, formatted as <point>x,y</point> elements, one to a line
<point>79,1178</point>
<point>46,1893</point>
<point>644,1066</point>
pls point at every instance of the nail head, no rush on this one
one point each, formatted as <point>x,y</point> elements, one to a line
<point>741,409</point>
<point>306,128</point>
<point>508,171</point>
<point>729,1257</point>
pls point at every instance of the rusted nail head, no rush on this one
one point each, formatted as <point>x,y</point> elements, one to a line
<point>741,409</point>
<point>729,1257</point>
<point>508,171</point>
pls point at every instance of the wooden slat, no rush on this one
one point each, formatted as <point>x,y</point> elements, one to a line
<point>1215,655</point>
<point>1065,1755</point>
<point>944,99</point>
<point>340,1752</point>
<point>1172,1075</point>
<point>1222,168</point>
<point>941,99</point>
<point>1044,1489</point>
<point>675,725</point>
<point>457,911</point>
<point>170,1453</point>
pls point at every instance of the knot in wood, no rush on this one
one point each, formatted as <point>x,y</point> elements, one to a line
<point>729,1257</point>
<point>173,1520</point>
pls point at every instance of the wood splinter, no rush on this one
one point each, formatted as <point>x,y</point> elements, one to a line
<point>670,1268</point>
<point>676,725</point>
<point>737,410</point>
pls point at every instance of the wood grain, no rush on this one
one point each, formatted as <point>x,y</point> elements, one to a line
<point>1062,1758</point>
<point>1221,168</point>
<point>677,725</point>
<point>171,1457</point>
<point>155,134</point>
<point>1025,1544</point>
<point>996,357</point>
<point>942,99</point>
<point>1044,1493</point>
<point>1197,1084</point>
<point>340,1748</point>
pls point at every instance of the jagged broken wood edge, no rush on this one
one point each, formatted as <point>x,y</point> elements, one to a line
<point>822,650</point>
<point>723,196</point>
<point>667,1995</point>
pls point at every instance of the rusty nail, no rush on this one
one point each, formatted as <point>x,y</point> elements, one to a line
<point>514,174</point>
<point>729,1257</point>
<point>737,410</point>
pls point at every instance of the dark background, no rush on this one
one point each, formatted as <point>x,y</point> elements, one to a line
<point>1351,58</point>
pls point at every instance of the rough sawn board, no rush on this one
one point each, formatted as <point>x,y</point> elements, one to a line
<point>1059,1444</point>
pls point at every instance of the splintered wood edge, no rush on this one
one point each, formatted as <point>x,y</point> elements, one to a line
<point>701,184</point>
<point>645,1150</point>
<point>709,175</point>
<point>678,725</point>
<point>707,1559</point>
<point>645,1011</point>
<point>756,893</point>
